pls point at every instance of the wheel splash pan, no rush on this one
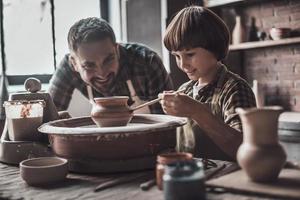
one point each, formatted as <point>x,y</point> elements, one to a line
<point>145,136</point>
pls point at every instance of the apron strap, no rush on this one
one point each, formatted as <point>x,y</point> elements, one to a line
<point>90,93</point>
<point>131,88</point>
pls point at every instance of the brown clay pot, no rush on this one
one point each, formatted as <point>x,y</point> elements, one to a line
<point>168,158</point>
<point>111,111</point>
<point>260,155</point>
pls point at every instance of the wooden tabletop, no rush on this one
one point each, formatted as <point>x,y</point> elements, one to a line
<point>79,186</point>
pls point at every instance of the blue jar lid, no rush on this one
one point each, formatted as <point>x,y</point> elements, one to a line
<point>184,168</point>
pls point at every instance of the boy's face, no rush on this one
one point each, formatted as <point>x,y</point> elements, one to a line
<point>196,62</point>
<point>97,63</point>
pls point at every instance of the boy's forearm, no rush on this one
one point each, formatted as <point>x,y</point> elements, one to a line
<point>227,138</point>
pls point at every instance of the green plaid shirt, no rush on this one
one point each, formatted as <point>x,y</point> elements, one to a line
<point>223,95</point>
<point>137,63</point>
<point>233,92</point>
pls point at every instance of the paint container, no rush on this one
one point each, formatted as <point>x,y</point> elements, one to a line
<point>184,180</point>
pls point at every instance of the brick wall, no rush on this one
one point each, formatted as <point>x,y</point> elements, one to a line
<point>276,68</point>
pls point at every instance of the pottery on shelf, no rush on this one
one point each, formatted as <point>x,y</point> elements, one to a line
<point>111,111</point>
<point>238,32</point>
<point>279,33</point>
<point>260,155</point>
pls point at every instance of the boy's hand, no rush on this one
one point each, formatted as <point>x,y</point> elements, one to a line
<point>178,104</point>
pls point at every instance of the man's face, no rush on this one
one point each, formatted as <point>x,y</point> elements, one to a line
<point>97,63</point>
<point>195,62</point>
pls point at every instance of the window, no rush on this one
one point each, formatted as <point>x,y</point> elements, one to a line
<point>28,34</point>
<point>28,38</point>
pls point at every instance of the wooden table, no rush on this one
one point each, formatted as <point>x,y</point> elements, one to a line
<point>79,186</point>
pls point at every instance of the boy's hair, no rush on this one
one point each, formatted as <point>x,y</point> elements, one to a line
<point>196,26</point>
<point>89,30</point>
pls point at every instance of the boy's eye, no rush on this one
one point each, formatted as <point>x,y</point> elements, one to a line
<point>190,54</point>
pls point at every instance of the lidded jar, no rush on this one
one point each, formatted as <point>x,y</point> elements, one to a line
<point>168,158</point>
<point>184,180</point>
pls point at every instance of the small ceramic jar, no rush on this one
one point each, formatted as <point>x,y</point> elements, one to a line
<point>168,158</point>
<point>184,180</point>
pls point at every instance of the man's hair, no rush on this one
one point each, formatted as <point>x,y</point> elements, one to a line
<point>89,30</point>
<point>196,26</point>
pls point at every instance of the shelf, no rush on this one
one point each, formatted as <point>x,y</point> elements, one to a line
<point>220,3</point>
<point>262,44</point>
<point>215,3</point>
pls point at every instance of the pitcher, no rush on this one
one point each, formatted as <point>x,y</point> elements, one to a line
<point>260,155</point>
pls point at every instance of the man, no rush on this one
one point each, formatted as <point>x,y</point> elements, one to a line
<point>98,67</point>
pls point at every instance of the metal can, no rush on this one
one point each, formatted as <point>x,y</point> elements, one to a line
<point>184,180</point>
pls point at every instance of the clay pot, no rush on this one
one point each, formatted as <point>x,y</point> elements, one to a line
<point>111,111</point>
<point>165,159</point>
<point>260,155</point>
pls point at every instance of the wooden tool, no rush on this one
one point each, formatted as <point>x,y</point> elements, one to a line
<point>119,181</point>
<point>153,101</point>
<point>148,184</point>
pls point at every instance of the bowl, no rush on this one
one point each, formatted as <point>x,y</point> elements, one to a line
<point>43,171</point>
<point>279,33</point>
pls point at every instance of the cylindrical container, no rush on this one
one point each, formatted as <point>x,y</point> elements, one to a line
<point>23,118</point>
<point>184,180</point>
<point>168,158</point>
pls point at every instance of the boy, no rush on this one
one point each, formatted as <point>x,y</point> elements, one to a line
<point>199,40</point>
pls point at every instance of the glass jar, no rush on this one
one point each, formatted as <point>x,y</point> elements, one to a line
<point>23,118</point>
<point>168,158</point>
<point>184,180</point>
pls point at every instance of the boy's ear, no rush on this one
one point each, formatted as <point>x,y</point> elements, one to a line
<point>73,62</point>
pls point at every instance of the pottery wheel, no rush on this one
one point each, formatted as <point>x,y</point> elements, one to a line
<point>112,149</point>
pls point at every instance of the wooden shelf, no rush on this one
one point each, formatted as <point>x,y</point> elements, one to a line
<point>215,3</point>
<point>262,44</point>
<point>220,3</point>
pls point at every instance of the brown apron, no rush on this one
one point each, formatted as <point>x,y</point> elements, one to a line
<point>191,138</point>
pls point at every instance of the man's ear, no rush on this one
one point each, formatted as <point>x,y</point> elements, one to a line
<point>72,61</point>
<point>118,50</point>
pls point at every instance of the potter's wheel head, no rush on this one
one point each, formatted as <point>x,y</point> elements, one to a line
<point>86,126</point>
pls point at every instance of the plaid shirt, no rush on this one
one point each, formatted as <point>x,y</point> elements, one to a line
<point>137,63</point>
<point>224,94</point>
<point>233,92</point>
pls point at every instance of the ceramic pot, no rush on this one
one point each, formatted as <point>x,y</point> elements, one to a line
<point>260,155</point>
<point>111,111</point>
